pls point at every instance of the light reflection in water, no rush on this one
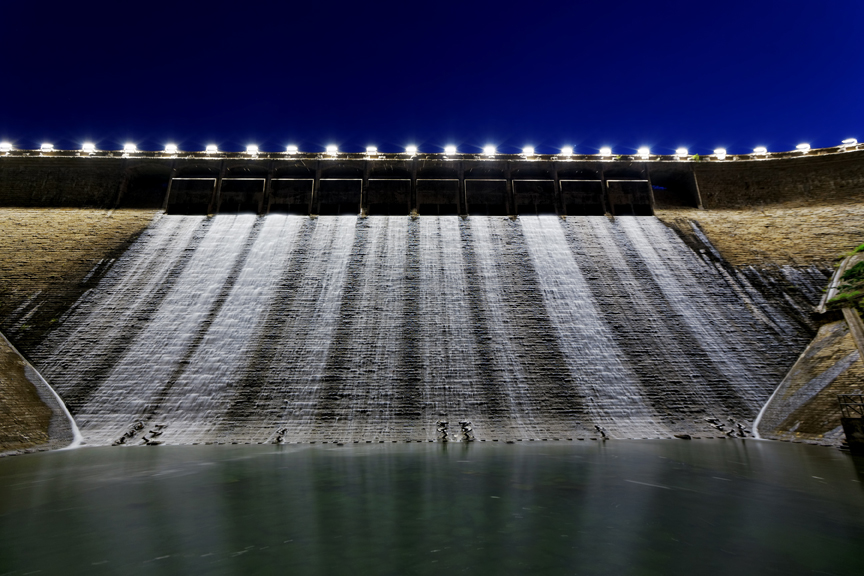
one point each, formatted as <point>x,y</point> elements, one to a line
<point>622,507</point>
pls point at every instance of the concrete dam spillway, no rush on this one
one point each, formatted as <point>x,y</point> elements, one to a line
<point>185,298</point>
<point>255,329</point>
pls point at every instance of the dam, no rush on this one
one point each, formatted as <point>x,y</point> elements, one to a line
<point>379,300</point>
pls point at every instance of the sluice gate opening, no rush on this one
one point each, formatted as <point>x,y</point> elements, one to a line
<point>428,188</point>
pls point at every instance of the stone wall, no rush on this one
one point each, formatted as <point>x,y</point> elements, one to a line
<point>50,256</point>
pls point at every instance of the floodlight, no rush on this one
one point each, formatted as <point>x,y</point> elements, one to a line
<point>291,149</point>
<point>371,150</point>
<point>411,150</point>
<point>211,148</point>
<point>88,147</point>
<point>850,142</point>
<point>5,146</point>
<point>45,147</point>
<point>681,152</point>
<point>170,148</point>
<point>449,150</point>
<point>489,150</point>
<point>644,152</point>
<point>130,148</point>
<point>803,148</point>
<point>332,149</point>
<point>251,149</point>
<point>605,151</point>
<point>720,153</point>
<point>760,150</point>
<point>567,151</point>
<point>528,151</point>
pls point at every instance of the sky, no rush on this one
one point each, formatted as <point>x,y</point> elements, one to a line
<point>698,74</point>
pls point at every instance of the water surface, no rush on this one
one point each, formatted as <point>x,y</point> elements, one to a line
<point>619,507</point>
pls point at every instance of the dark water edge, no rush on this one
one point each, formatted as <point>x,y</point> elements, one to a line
<point>619,507</point>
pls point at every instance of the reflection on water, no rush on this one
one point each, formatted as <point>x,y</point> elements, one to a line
<point>621,507</point>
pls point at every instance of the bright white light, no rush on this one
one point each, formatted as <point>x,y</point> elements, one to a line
<point>332,149</point>
<point>251,149</point>
<point>449,150</point>
<point>605,151</point>
<point>803,147</point>
<point>170,148</point>
<point>45,147</point>
<point>720,153</point>
<point>371,150</point>
<point>411,150</point>
<point>291,149</point>
<point>850,142</point>
<point>489,150</point>
<point>567,151</point>
<point>211,149</point>
<point>528,151</point>
<point>130,148</point>
<point>681,152</point>
<point>760,150</point>
<point>5,146</point>
<point>88,147</point>
<point>644,153</point>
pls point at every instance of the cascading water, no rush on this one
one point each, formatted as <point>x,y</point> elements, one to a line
<point>342,329</point>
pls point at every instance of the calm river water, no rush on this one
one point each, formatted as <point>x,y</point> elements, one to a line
<point>620,507</point>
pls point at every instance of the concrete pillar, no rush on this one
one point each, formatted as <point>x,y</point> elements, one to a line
<point>508,194</point>
<point>559,200</point>
<point>170,184</point>
<point>413,200</point>
<point>607,204</point>
<point>217,191</point>
<point>316,189</point>
<point>364,190</point>
<point>463,192</point>
<point>264,208</point>
<point>650,188</point>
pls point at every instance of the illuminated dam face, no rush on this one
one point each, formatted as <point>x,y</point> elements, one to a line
<point>245,328</point>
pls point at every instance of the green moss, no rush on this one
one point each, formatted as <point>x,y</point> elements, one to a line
<point>855,273</point>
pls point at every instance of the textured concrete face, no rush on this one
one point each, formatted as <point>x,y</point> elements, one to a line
<point>339,329</point>
<point>805,405</point>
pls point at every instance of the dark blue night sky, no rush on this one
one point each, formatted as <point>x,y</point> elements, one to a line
<point>624,74</point>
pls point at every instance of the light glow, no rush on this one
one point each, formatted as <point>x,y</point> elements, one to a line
<point>332,149</point>
<point>850,142</point>
<point>5,146</point>
<point>528,151</point>
<point>211,149</point>
<point>720,153</point>
<point>803,148</point>
<point>251,149</point>
<point>681,152</point>
<point>760,150</point>
<point>567,151</point>
<point>605,151</point>
<point>644,153</point>
<point>45,147</point>
<point>88,147</point>
<point>291,149</point>
<point>449,150</point>
<point>371,150</point>
<point>489,150</point>
<point>129,148</point>
<point>411,150</point>
<point>170,148</point>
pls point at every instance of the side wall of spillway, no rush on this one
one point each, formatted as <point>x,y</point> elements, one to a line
<point>250,328</point>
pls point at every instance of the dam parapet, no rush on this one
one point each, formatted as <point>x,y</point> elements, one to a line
<point>423,184</point>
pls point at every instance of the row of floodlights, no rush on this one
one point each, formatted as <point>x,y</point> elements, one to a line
<point>332,150</point>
